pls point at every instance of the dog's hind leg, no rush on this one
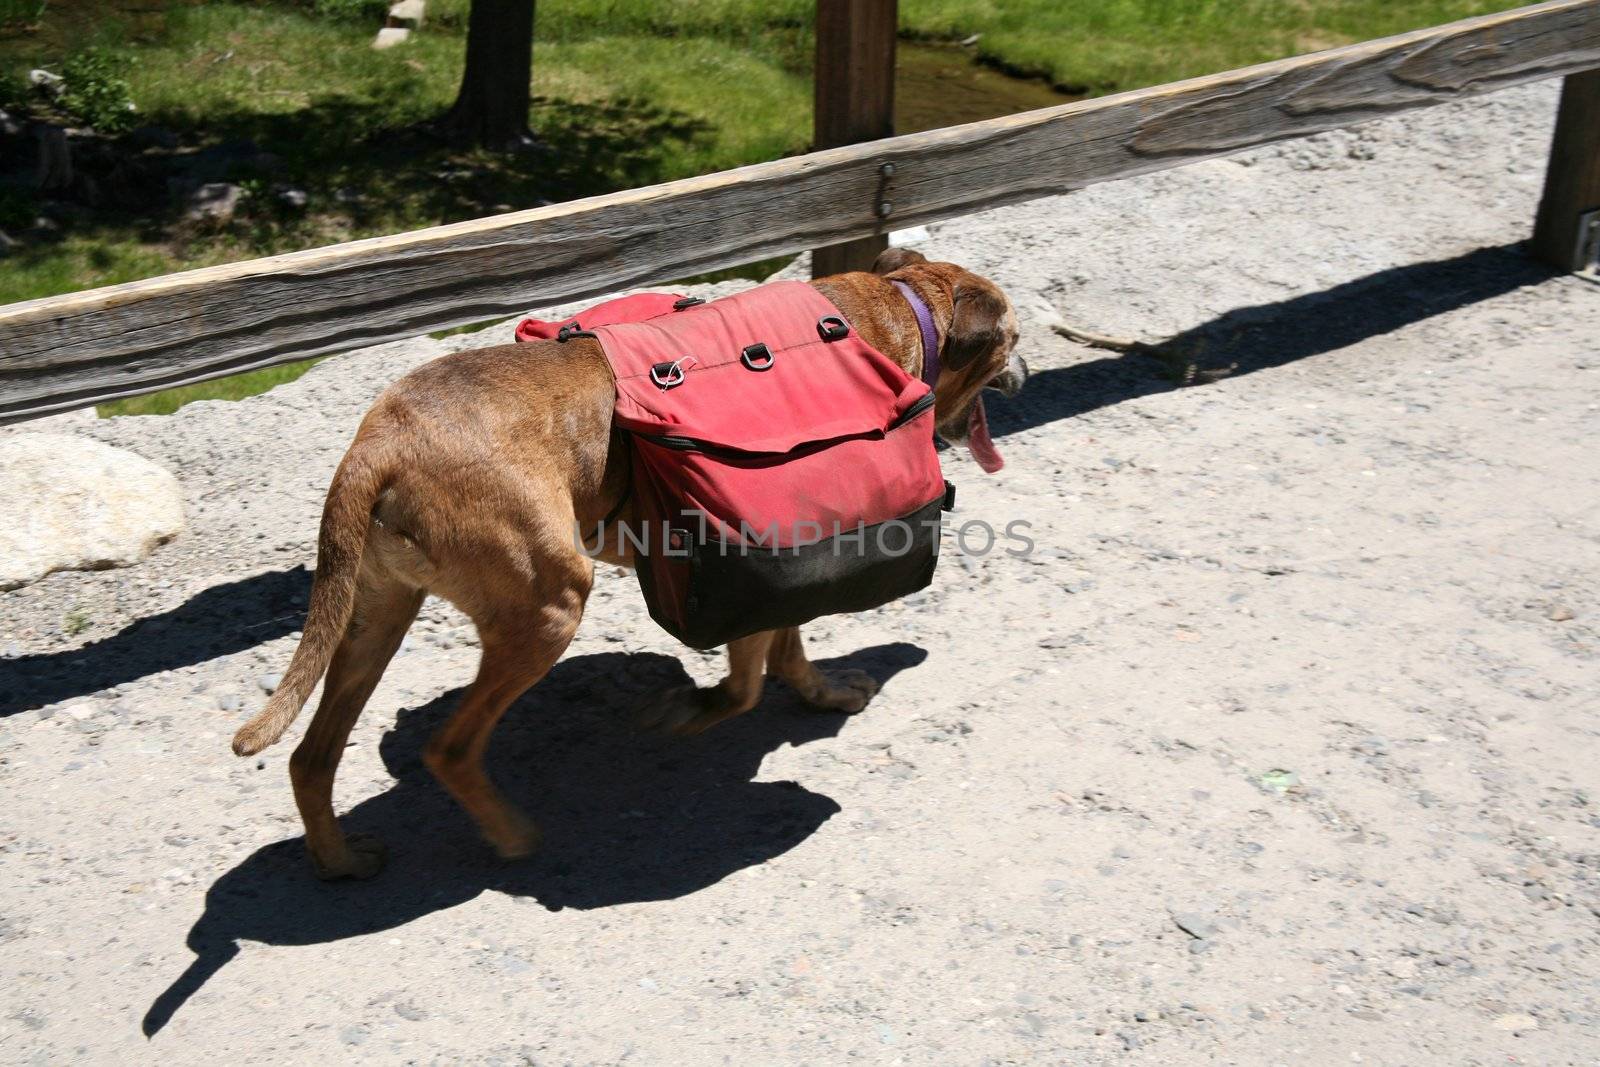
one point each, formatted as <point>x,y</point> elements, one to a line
<point>847,690</point>
<point>521,642</point>
<point>384,609</point>
<point>689,709</point>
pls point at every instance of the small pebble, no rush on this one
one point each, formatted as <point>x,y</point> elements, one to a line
<point>1194,924</point>
<point>1405,967</point>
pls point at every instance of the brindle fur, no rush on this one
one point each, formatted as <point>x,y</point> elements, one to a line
<point>467,480</point>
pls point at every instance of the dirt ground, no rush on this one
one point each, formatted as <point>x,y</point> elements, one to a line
<point>1271,751</point>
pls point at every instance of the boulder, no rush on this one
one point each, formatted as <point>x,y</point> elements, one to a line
<point>54,84</point>
<point>213,202</point>
<point>76,504</point>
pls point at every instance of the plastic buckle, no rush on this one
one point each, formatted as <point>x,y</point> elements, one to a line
<point>687,302</point>
<point>668,374</point>
<point>758,357</point>
<point>832,328</point>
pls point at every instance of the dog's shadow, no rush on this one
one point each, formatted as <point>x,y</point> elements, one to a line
<point>628,817</point>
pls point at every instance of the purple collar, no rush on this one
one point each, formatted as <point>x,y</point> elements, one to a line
<point>930,336</point>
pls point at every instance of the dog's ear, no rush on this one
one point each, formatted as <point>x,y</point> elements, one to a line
<point>978,325</point>
<point>892,259</point>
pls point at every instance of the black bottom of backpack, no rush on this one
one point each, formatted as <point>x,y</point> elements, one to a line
<point>733,593</point>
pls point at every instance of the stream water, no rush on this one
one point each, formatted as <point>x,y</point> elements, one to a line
<point>941,85</point>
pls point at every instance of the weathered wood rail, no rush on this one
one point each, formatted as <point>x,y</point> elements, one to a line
<point>69,351</point>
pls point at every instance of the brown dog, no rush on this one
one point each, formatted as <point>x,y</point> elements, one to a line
<point>467,479</point>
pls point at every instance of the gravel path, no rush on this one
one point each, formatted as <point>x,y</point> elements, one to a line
<point>1272,751</point>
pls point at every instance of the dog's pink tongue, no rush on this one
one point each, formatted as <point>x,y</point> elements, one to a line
<point>979,443</point>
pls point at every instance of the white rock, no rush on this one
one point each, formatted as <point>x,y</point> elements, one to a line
<point>390,36</point>
<point>407,11</point>
<point>75,504</point>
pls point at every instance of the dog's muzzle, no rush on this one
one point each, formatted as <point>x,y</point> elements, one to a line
<point>1009,382</point>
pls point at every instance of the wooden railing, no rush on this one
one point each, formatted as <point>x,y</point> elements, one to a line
<point>66,352</point>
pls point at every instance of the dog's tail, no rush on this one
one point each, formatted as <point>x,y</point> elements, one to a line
<point>345,518</point>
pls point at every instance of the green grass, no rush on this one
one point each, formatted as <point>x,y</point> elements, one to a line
<point>628,93</point>
<point>74,263</point>
<point>234,387</point>
<point>1113,45</point>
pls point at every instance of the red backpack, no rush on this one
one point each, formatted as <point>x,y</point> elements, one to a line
<point>784,468</point>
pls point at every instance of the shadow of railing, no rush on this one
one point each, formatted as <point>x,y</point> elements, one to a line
<point>1265,336</point>
<point>215,622</point>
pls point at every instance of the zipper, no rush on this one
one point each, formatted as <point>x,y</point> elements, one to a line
<point>923,404</point>
<point>681,443</point>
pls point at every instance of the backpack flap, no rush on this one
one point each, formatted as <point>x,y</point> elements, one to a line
<point>785,469</point>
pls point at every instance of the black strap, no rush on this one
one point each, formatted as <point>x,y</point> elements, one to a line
<point>622,502</point>
<point>627,495</point>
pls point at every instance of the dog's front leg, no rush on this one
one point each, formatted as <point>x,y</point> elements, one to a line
<point>846,690</point>
<point>689,709</point>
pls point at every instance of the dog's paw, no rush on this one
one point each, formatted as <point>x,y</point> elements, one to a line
<point>518,837</point>
<point>686,710</point>
<point>363,857</point>
<point>673,709</point>
<point>847,691</point>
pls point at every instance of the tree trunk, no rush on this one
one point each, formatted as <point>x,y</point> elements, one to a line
<point>55,159</point>
<point>491,110</point>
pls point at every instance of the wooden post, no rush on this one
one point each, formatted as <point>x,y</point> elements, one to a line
<point>854,93</point>
<point>1572,183</point>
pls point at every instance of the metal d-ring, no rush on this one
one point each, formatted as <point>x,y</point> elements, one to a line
<point>671,373</point>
